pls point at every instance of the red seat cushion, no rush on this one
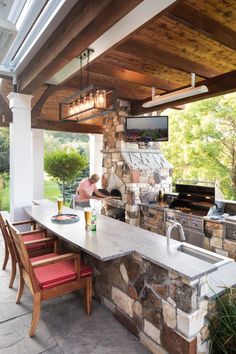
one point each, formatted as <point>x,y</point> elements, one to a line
<point>33,237</point>
<point>36,236</point>
<point>58,273</point>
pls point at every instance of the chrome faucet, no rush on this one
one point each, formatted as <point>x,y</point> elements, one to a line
<point>170,228</point>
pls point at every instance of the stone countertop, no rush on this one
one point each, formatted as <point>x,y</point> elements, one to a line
<point>221,279</point>
<point>217,221</point>
<point>114,239</point>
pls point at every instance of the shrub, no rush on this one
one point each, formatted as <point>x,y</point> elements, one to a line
<point>64,166</point>
<point>223,325</point>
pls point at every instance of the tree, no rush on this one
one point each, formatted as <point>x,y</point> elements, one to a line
<point>64,166</point>
<point>202,143</point>
<point>4,150</point>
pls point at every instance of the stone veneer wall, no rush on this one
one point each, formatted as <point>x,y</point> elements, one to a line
<point>152,219</point>
<point>215,235</point>
<point>215,240</point>
<point>113,142</point>
<point>164,310</point>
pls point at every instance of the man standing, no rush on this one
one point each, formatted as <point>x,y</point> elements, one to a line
<point>86,188</point>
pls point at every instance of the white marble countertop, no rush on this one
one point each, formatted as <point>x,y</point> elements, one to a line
<point>114,239</point>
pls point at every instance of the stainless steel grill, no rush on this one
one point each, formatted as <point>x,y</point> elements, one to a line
<point>189,208</point>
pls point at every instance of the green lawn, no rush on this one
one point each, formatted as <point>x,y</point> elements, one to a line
<point>51,190</point>
<point>5,198</point>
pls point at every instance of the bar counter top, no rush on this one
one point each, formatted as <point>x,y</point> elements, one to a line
<point>114,239</point>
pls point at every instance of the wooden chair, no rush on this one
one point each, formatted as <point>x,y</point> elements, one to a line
<point>50,275</point>
<point>30,239</point>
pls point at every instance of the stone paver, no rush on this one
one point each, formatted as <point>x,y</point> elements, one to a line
<point>63,328</point>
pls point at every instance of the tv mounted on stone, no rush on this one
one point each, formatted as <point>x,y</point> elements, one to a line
<point>146,129</point>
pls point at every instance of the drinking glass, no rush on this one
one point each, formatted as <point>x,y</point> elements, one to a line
<point>59,205</point>
<point>87,216</point>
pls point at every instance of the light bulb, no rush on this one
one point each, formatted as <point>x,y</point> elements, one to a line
<point>100,98</point>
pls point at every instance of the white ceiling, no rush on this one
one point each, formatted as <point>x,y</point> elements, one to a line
<point>35,21</point>
<point>5,7</point>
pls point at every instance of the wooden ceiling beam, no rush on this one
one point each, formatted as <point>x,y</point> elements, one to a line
<point>88,20</point>
<point>5,111</point>
<point>197,20</point>
<point>140,49</point>
<point>220,85</point>
<point>67,126</point>
<point>132,76</point>
<point>37,109</point>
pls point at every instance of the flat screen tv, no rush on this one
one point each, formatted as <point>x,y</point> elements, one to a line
<point>146,129</point>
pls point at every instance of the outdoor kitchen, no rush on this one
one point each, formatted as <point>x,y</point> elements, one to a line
<point>139,178</point>
<point>118,177</point>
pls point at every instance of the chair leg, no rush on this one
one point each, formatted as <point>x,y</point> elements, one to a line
<point>13,272</point>
<point>21,288</point>
<point>36,314</point>
<point>6,257</point>
<point>88,296</point>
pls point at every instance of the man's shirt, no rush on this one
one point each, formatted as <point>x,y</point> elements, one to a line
<point>85,188</point>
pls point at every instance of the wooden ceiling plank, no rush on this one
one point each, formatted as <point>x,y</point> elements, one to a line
<point>140,49</point>
<point>183,41</point>
<point>132,76</point>
<point>221,11</point>
<point>83,25</point>
<point>123,89</point>
<point>220,85</point>
<point>198,21</point>
<point>149,66</point>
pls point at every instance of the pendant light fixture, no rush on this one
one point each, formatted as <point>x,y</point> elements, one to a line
<point>89,101</point>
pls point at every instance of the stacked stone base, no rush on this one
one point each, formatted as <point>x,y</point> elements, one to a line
<point>165,311</point>
<point>215,240</point>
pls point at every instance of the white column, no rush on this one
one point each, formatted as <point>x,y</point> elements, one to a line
<point>38,163</point>
<point>21,166</point>
<point>95,161</point>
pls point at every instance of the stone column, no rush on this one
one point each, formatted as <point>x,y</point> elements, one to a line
<point>38,163</point>
<point>95,158</point>
<point>21,165</point>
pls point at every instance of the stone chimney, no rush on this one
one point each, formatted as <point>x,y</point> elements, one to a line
<point>128,168</point>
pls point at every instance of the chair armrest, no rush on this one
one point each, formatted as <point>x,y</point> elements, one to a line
<point>23,222</point>
<point>34,232</point>
<point>52,260</point>
<point>42,240</point>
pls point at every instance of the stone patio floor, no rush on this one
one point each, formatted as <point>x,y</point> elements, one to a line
<point>63,327</point>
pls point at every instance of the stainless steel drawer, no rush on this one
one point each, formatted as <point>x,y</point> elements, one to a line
<point>196,224</point>
<point>230,230</point>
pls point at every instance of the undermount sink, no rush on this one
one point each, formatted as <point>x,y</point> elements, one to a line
<point>203,255</point>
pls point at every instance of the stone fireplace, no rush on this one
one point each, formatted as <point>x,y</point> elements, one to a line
<point>130,171</point>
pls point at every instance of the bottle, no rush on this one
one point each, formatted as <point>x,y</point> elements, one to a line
<point>160,196</point>
<point>93,226</point>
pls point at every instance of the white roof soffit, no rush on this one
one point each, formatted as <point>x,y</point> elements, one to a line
<point>142,13</point>
<point>8,33</point>
<point>146,160</point>
<point>36,24</point>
